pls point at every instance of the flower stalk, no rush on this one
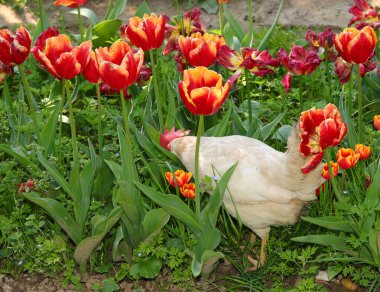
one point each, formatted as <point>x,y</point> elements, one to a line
<point>80,24</point>
<point>360,103</point>
<point>29,98</point>
<point>73,129</point>
<point>100,134</point>
<point>220,8</point>
<point>196,176</point>
<point>156,92</point>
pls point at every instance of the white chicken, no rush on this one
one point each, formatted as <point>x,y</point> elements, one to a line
<point>267,187</point>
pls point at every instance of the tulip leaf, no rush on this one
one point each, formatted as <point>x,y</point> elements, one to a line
<point>265,39</point>
<point>116,169</point>
<point>117,9</point>
<point>337,243</point>
<point>53,171</point>
<point>153,222</point>
<point>59,213</point>
<point>106,28</point>
<point>148,268</point>
<point>236,27</point>
<point>142,9</point>
<point>24,161</point>
<point>331,222</point>
<point>48,133</point>
<point>372,196</point>
<point>207,263</point>
<point>220,129</point>
<point>174,206</point>
<point>86,12</point>
<point>268,129</point>
<point>87,245</point>
<point>237,124</point>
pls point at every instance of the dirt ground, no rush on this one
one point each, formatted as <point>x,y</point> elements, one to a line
<point>295,12</point>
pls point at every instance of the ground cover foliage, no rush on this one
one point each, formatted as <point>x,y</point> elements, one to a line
<point>85,181</point>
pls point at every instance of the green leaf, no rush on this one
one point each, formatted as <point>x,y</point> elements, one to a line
<point>117,9</point>
<point>116,169</point>
<point>238,126</point>
<point>282,133</point>
<point>48,133</point>
<point>333,271</point>
<point>106,28</point>
<point>59,213</point>
<point>142,9</point>
<point>88,13</point>
<point>268,129</point>
<point>120,250</point>
<point>174,206</point>
<point>271,29</point>
<point>207,263</point>
<point>337,243</point>
<point>153,222</point>
<point>87,245</point>
<point>221,128</point>
<point>38,28</point>
<point>24,161</point>
<point>147,268</point>
<point>372,195</point>
<point>238,31</point>
<point>331,222</point>
<point>53,171</point>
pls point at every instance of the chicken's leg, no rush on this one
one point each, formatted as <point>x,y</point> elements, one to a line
<point>263,256</point>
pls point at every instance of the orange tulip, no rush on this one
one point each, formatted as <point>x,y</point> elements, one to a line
<point>182,177</point>
<point>334,168</point>
<point>356,46</point>
<point>14,48</point>
<point>91,72</point>
<point>202,91</point>
<point>347,158</point>
<point>364,151</point>
<point>188,190</point>
<point>54,53</point>
<point>146,33</point>
<point>118,65</point>
<point>200,50</point>
<point>376,122</point>
<point>223,1</point>
<point>70,3</point>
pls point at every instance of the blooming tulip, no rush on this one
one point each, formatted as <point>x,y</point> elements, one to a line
<point>364,151</point>
<point>146,33</point>
<point>347,158</point>
<point>119,66</point>
<point>319,129</point>
<point>91,72</point>
<point>14,48</point>
<point>200,50</point>
<point>182,177</point>
<point>376,122</point>
<point>167,137</point>
<point>188,190</point>
<point>356,46</point>
<point>26,187</point>
<point>326,172</point>
<point>70,3</point>
<point>54,53</point>
<point>202,90</point>
<point>362,11</point>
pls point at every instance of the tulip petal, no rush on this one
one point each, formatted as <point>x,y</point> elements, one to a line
<point>183,91</point>
<point>82,54</point>
<point>312,162</point>
<point>67,66</point>
<point>45,63</point>
<point>114,75</point>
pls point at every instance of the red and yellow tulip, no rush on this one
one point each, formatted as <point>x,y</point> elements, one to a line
<point>200,50</point>
<point>319,129</point>
<point>55,54</point>
<point>146,33</point>
<point>188,190</point>
<point>356,46</point>
<point>334,168</point>
<point>347,158</point>
<point>182,177</point>
<point>202,90</point>
<point>118,65</point>
<point>70,3</point>
<point>167,137</point>
<point>362,11</point>
<point>14,47</point>
<point>364,151</point>
<point>376,122</point>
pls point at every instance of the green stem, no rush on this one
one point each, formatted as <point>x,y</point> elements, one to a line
<point>40,12</point>
<point>250,20</point>
<point>100,135</point>
<point>221,17</point>
<point>327,76</point>
<point>247,85</point>
<point>29,98</point>
<point>196,177</point>
<point>300,89</point>
<point>349,100</point>
<point>80,24</point>
<point>109,9</point>
<point>73,129</point>
<point>156,92</point>
<point>360,104</point>
<point>59,150</point>
<point>332,178</point>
